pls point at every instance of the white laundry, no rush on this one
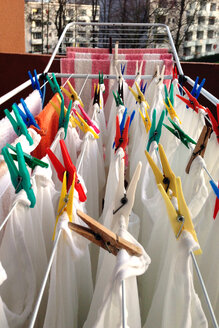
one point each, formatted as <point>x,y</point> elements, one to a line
<point>3,319</point>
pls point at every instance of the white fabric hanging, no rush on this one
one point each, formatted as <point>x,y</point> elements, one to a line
<point>3,320</point>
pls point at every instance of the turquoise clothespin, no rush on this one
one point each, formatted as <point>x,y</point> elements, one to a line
<point>155,132</point>
<point>179,133</point>
<point>64,119</point>
<point>118,100</point>
<point>54,85</point>
<point>19,125</point>
<point>101,78</point>
<point>20,178</point>
<point>31,161</point>
<point>170,96</point>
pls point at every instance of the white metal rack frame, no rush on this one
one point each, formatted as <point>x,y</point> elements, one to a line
<point>129,35</point>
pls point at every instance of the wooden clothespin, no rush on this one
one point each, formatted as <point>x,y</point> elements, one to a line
<point>200,146</point>
<point>103,237</point>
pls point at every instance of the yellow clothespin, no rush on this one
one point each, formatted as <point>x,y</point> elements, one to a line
<point>180,218</point>
<point>84,126</point>
<point>146,120</point>
<point>72,95</point>
<point>171,111</point>
<point>58,110</point>
<point>65,201</point>
<point>167,178</point>
<point>139,97</point>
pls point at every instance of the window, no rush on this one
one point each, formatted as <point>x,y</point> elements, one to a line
<point>211,20</point>
<point>37,35</point>
<point>37,48</point>
<point>70,12</point>
<point>36,11</point>
<point>213,7</point>
<point>202,6</point>
<point>200,35</point>
<point>190,20</point>
<point>187,51</point>
<point>82,12</point>
<point>189,36</point>
<point>201,20</point>
<point>208,47</point>
<point>198,50</point>
<point>210,34</point>
<point>69,34</point>
<point>163,3</point>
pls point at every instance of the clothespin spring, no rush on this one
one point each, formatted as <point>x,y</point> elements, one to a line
<point>182,220</point>
<point>124,201</point>
<point>64,206</point>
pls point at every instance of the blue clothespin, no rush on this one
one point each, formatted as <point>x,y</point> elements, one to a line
<point>28,118</point>
<point>35,82</point>
<point>131,118</point>
<point>122,124</point>
<point>18,126</point>
<point>215,188</point>
<point>196,90</point>
<point>155,132</point>
<point>19,178</point>
<point>123,69</point>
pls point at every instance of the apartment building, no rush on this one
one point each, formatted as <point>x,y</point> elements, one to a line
<point>40,25</point>
<point>202,38</point>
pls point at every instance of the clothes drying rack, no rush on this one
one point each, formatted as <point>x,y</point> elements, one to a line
<point>106,30</point>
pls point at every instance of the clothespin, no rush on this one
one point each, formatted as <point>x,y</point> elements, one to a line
<point>216,207</point>
<point>87,119</point>
<point>122,68</point>
<point>118,100</point>
<point>132,117</point>
<point>174,72</point>
<point>160,76</point>
<point>169,95</point>
<point>18,126</point>
<point>31,161</point>
<point>138,69</point>
<point>58,111</point>
<point>167,178</point>
<point>96,94</point>
<point>197,89</point>
<point>192,102</point>
<point>139,97</point>
<point>142,88</point>
<point>180,218</point>
<point>215,122</point>
<point>101,78</point>
<point>200,145</point>
<point>121,139</point>
<point>65,201</point>
<point>171,111</point>
<point>20,178</point>
<point>120,91</point>
<point>27,117</point>
<point>103,237</point>
<point>35,82</point>
<point>155,132</point>
<point>69,168</point>
<point>179,133</point>
<point>146,120</point>
<point>83,125</point>
<point>72,95</point>
<point>64,116</point>
<point>53,84</point>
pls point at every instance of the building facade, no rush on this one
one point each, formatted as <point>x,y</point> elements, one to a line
<point>41,25</point>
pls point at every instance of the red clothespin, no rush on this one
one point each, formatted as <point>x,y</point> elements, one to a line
<point>69,167</point>
<point>174,72</point>
<point>121,139</point>
<point>216,207</point>
<point>215,123</point>
<point>192,102</point>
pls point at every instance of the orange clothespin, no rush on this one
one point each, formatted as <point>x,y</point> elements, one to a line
<point>103,237</point>
<point>200,146</point>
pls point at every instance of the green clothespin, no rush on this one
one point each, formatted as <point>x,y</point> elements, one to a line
<point>101,79</point>
<point>179,133</point>
<point>19,125</point>
<point>155,132</point>
<point>64,119</point>
<point>20,178</point>
<point>53,84</point>
<point>118,100</point>
<point>31,161</point>
<point>170,96</point>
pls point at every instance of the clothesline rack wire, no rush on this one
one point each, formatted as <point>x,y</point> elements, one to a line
<point>147,34</point>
